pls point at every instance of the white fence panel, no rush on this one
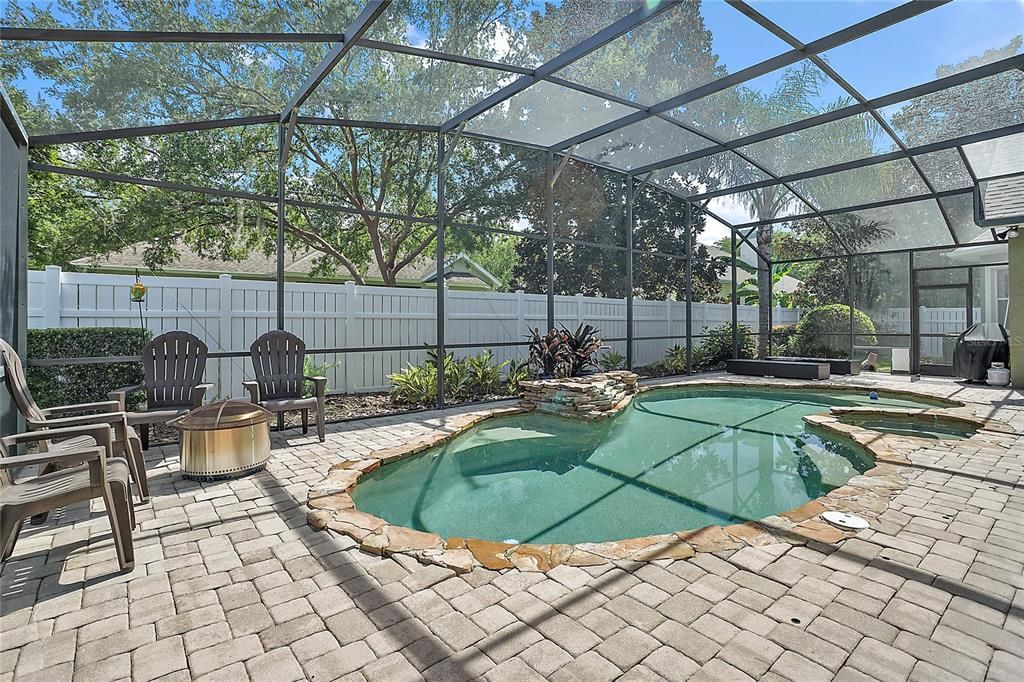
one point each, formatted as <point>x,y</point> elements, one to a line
<point>228,314</point>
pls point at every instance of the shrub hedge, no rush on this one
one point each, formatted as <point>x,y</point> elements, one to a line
<point>824,332</point>
<point>717,346</point>
<point>53,385</point>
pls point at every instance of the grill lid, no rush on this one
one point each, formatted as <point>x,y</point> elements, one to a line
<point>226,414</point>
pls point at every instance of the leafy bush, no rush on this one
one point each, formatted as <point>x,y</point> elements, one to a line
<point>824,332</point>
<point>518,372</point>
<point>473,377</point>
<point>547,352</point>
<point>717,346</point>
<point>484,375</point>
<point>610,361</point>
<point>675,358</point>
<point>561,352</point>
<point>311,368</point>
<point>583,345</point>
<point>782,339</point>
<point>415,385</point>
<point>54,385</point>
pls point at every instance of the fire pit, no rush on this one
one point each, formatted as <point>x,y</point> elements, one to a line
<point>227,439</point>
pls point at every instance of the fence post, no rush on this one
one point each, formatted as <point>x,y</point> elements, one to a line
<point>351,341</point>
<point>225,311</point>
<point>579,309</point>
<point>668,318</point>
<point>520,314</point>
<point>52,309</point>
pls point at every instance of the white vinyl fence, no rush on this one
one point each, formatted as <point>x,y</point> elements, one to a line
<point>228,314</point>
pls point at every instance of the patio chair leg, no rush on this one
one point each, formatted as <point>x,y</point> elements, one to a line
<point>137,467</point>
<point>305,421</point>
<point>280,421</point>
<point>144,435</point>
<point>320,418</point>
<point>10,528</point>
<point>117,501</point>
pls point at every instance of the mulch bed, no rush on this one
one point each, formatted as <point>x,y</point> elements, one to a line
<point>338,408</point>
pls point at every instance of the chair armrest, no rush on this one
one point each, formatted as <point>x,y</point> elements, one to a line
<point>71,457</point>
<point>254,390</point>
<point>121,395</point>
<point>109,418</point>
<point>101,407</point>
<point>199,394</point>
<point>319,384</point>
<point>99,431</point>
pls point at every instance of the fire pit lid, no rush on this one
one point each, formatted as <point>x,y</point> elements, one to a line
<point>226,414</point>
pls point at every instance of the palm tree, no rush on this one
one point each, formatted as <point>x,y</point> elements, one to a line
<point>794,98</point>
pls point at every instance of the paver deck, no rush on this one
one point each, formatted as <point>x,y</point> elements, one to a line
<point>231,583</point>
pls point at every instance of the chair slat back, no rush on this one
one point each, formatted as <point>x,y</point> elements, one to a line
<point>277,359</point>
<point>17,384</point>
<point>173,364</point>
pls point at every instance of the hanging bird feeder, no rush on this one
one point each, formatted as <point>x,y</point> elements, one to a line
<point>138,289</point>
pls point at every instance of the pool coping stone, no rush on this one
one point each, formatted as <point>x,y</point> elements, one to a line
<point>866,495</point>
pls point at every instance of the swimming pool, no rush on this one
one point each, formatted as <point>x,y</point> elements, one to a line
<point>675,459</point>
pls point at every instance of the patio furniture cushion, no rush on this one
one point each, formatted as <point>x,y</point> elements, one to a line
<point>783,369</point>
<point>836,365</point>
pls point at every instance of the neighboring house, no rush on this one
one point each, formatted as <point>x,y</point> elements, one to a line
<point>461,271</point>
<point>785,285</point>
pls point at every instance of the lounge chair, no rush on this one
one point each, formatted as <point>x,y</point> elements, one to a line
<point>124,441</point>
<point>87,473</point>
<point>278,358</point>
<point>173,365</point>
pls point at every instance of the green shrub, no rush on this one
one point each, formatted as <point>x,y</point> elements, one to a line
<point>54,385</point>
<point>824,332</point>
<point>518,372</point>
<point>782,339</point>
<point>472,377</point>
<point>717,346</point>
<point>611,360</point>
<point>312,368</point>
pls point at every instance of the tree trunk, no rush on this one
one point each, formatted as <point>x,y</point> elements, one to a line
<point>764,292</point>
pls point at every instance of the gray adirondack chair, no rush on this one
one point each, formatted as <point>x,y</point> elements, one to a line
<point>278,358</point>
<point>83,474</point>
<point>173,364</point>
<point>125,442</point>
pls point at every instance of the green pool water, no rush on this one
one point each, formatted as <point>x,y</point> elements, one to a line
<point>919,428</point>
<point>674,459</point>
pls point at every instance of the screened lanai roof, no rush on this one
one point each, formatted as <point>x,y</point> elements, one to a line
<point>761,112</point>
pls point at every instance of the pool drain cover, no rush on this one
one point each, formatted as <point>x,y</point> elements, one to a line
<point>845,521</point>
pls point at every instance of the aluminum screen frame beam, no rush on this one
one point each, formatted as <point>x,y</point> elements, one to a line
<point>845,35</point>
<point>574,53</point>
<point>955,143</point>
<point>827,69</point>
<point>73,35</point>
<point>146,131</point>
<point>930,87</point>
<point>859,207</point>
<point>360,25</point>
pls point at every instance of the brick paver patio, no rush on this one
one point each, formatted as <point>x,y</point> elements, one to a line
<point>231,583</point>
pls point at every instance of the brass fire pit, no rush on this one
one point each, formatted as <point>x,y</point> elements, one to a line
<point>227,439</point>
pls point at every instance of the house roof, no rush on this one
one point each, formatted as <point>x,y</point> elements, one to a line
<point>299,264</point>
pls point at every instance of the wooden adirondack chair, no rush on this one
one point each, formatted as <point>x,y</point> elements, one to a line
<point>125,442</point>
<point>173,364</point>
<point>278,358</point>
<point>84,474</point>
